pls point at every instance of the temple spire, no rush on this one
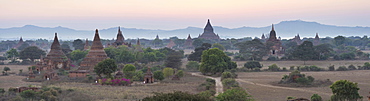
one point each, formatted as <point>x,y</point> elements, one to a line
<point>189,37</point>
<point>272,28</point>
<point>55,44</point>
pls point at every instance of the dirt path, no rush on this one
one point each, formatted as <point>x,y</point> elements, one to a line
<point>219,87</point>
<point>271,86</point>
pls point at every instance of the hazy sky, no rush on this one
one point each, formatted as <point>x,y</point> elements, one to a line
<point>175,14</point>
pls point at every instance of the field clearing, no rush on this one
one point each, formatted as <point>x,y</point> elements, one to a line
<point>188,83</point>
<point>13,80</point>
<point>259,84</point>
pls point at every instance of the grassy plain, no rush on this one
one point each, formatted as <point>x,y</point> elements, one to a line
<point>259,84</point>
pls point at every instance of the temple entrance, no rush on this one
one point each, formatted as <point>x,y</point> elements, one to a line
<point>147,80</point>
<point>273,51</point>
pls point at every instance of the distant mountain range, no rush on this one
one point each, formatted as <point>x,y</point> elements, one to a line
<point>284,29</point>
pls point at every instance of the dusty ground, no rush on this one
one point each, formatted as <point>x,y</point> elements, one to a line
<point>13,80</point>
<point>258,84</point>
<point>188,83</point>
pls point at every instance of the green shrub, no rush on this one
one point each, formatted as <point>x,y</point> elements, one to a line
<point>316,97</point>
<point>291,68</point>
<point>273,67</point>
<point>351,67</point>
<point>342,68</point>
<point>303,81</point>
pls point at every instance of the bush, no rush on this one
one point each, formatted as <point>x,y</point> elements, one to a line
<point>273,67</point>
<point>351,67</point>
<point>176,96</point>
<point>273,58</point>
<point>229,83</point>
<point>316,97</point>
<point>342,68</point>
<point>252,65</point>
<point>192,66</point>
<point>235,94</point>
<point>331,68</point>
<point>291,68</point>
<point>303,81</point>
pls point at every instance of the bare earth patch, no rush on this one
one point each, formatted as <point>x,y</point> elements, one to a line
<point>258,84</point>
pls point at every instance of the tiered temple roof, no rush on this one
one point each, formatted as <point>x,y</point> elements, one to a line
<point>208,33</point>
<point>56,54</point>
<point>188,42</point>
<point>171,44</point>
<point>19,43</point>
<point>316,41</point>
<point>86,47</point>
<point>95,55</point>
<point>277,47</point>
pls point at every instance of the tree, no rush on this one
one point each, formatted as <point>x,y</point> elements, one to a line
<point>28,94</point>
<point>167,72</point>
<point>12,53</point>
<point>31,52</point>
<point>339,40</point>
<point>345,90</point>
<point>234,94</point>
<point>198,42</point>
<point>316,97</point>
<point>192,65</point>
<point>23,46</point>
<point>197,54</point>
<point>180,73</point>
<point>219,46</point>
<point>158,75</point>
<point>105,67</point>
<point>252,64</point>
<point>129,71</point>
<point>157,43</point>
<point>323,51</point>
<point>65,48</point>
<point>215,61</point>
<point>173,59</point>
<point>254,49</point>
<point>6,69</point>
<point>124,55</point>
<point>305,52</point>
<point>176,96</point>
<point>78,44</point>
<point>78,54</point>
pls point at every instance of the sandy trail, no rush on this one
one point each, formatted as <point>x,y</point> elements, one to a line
<point>219,86</point>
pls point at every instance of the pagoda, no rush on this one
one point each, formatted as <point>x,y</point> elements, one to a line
<point>297,39</point>
<point>276,47</point>
<point>19,43</point>
<point>171,44</point>
<point>86,47</point>
<point>55,59</point>
<point>208,33</point>
<point>188,43</point>
<point>120,39</point>
<point>95,55</point>
<point>316,41</point>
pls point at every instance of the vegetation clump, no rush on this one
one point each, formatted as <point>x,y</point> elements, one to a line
<point>297,79</point>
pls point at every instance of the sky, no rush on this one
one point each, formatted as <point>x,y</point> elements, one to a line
<point>176,14</point>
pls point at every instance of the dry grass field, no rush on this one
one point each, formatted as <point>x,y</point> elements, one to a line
<point>259,84</point>
<point>13,80</point>
<point>321,64</point>
<point>188,83</point>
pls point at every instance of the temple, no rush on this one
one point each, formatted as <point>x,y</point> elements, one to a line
<point>208,33</point>
<point>19,43</point>
<point>95,55</point>
<point>276,48</point>
<point>120,40</point>
<point>171,44</point>
<point>316,41</point>
<point>297,39</point>
<point>86,47</point>
<point>188,43</point>
<point>55,59</point>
